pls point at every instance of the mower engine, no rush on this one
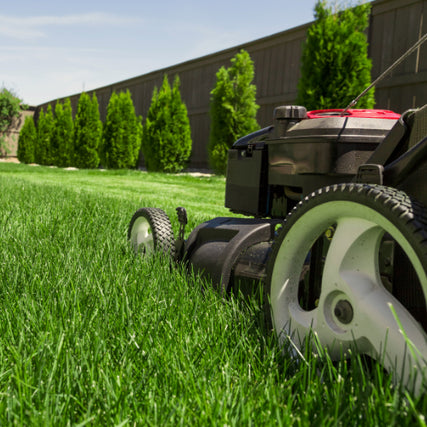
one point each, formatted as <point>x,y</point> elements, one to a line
<point>268,173</point>
<point>271,170</point>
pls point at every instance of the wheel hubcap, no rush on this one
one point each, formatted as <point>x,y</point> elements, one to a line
<point>141,237</point>
<point>344,311</point>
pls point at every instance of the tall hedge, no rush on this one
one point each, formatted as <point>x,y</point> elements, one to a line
<point>233,108</point>
<point>27,140</point>
<point>62,135</point>
<point>87,133</point>
<point>166,140</point>
<point>43,149</point>
<point>122,132</point>
<point>335,66</point>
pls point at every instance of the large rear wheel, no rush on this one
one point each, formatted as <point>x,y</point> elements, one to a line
<point>336,270</point>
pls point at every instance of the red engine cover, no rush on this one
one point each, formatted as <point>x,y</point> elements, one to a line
<point>368,114</point>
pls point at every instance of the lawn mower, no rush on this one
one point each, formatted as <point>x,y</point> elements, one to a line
<point>334,230</point>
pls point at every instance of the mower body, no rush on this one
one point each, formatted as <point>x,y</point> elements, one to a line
<point>270,171</point>
<point>332,232</point>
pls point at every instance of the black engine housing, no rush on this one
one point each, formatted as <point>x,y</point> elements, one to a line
<point>271,169</point>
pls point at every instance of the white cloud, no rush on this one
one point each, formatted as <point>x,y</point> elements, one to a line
<point>41,73</point>
<point>34,27</point>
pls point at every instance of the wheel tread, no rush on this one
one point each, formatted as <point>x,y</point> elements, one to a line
<point>406,208</point>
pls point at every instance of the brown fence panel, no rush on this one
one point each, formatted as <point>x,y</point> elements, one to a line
<point>10,148</point>
<point>395,26</point>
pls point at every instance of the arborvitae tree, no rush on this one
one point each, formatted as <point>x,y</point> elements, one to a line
<point>39,149</point>
<point>181,127</point>
<point>111,132</point>
<point>27,141</point>
<point>87,132</point>
<point>166,141</point>
<point>233,108</point>
<point>62,136</point>
<point>121,139</point>
<point>335,66</point>
<point>45,124</point>
<point>149,149</point>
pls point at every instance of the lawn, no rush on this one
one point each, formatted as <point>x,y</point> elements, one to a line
<point>93,335</point>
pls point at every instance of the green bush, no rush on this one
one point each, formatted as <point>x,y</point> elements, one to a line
<point>27,141</point>
<point>166,141</point>
<point>121,139</point>
<point>87,133</point>
<point>233,108</point>
<point>38,148</point>
<point>335,66</point>
<point>62,134</point>
<point>45,125</point>
<point>10,108</point>
<point>181,127</point>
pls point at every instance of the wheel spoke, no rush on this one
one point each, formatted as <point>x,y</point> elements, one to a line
<point>301,322</point>
<point>350,271</point>
<point>144,240</point>
<point>352,259</point>
<point>147,243</point>
<point>351,275</point>
<point>386,331</point>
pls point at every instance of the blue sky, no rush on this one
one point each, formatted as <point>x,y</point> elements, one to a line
<point>51,49</point>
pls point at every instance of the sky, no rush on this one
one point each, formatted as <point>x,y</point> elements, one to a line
<point>53,49</point>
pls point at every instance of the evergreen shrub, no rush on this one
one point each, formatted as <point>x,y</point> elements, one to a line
<point>233,108</point>
<point>166,140</point>
<point>335,66</point>
<point>62,134</point>
<point>87,133</point>
<point>122,132</point>
<point>27,141</point>
<point>43,149</point>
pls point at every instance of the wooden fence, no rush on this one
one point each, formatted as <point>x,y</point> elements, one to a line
<point>395,25</point>
<point>10,148</point>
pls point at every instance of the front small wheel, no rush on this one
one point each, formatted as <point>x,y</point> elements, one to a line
<point>150,231</point>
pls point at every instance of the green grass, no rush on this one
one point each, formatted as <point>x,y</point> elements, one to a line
<point>92,335</point>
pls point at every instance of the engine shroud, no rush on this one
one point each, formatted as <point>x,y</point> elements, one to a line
<point>300,153</point>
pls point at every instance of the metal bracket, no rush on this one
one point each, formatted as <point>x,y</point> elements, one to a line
<point>179,243</point>
<point>182,219</point>
<point>370,174</point>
